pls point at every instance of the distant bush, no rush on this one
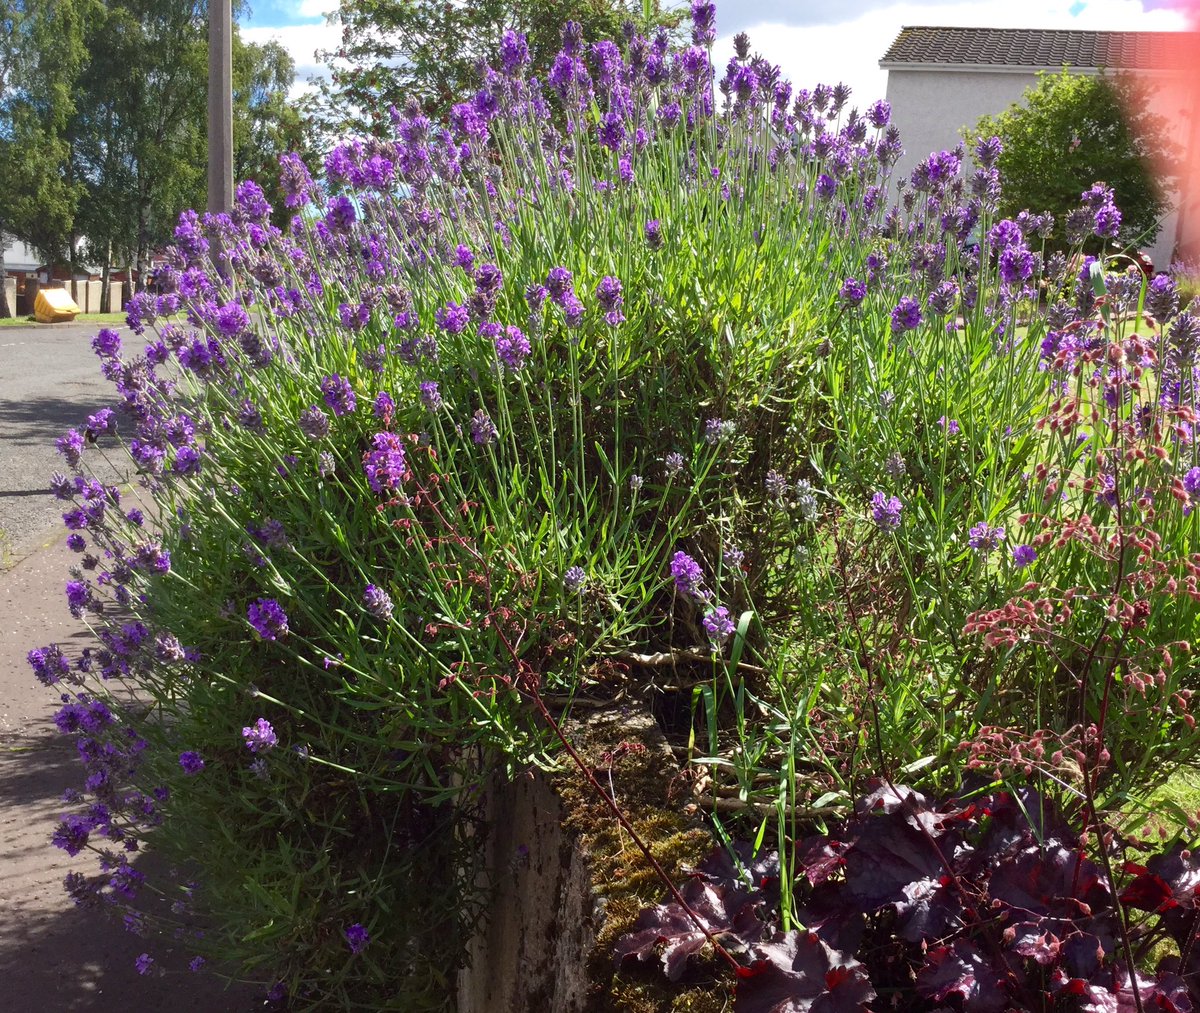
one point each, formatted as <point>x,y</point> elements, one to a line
<point>1072,130</point>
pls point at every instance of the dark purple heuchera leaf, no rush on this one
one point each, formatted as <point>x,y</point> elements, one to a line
<point>1171,994</point>
<point>1167,881</point>
<point>962,971</point>
<point>795,972</point>
<point>1082,953</point>
<point>1168,994</point>
<point>1035,941</point>
<point>887,855</point>
<point>931,909</point>
<point>990,907</point>
<point>1052,880</point>
<point>744,868</point>
<point>827,913</point>
<point>819,857</point>
<point>1017,821</point>
<point>726,910</point>
<point>883,797</point>
<point>918,811</point>
<point>1147,892</point>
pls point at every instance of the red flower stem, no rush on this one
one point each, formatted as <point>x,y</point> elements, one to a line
<point>1089,774</point>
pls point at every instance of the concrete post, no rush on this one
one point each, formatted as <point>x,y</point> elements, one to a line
<point>10,289</point>
<point>93,296</point>
<point>220,106</point>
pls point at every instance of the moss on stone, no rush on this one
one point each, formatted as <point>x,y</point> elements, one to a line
<point>623,881</point>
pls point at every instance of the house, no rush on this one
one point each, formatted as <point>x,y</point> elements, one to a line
<point>27,272</point>
<point>942,80</point>
<point>19,258</point>
<point>20,263</point>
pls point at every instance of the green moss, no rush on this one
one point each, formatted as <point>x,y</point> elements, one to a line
<point>622,879</point>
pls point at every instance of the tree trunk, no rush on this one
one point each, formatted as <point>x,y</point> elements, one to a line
<point>143,237</point>
<point>105,272</point>
<point>5,309</point>
<point>139,267</point>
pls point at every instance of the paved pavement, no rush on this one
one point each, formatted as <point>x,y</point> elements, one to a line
<point>49,381</point>
<point>53,956</point>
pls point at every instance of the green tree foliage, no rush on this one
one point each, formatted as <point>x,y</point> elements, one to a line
<point>1073,130</point>
<point>265,123</point>
<point>141,123</point>
<point>103,111</point>
<point>41,51</point>
<point>429,50</point>
<point>143,133</point>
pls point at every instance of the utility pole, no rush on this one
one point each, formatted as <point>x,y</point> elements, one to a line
<point>220,106</point>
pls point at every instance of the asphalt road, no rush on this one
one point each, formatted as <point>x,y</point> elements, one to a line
<point>49,381</point>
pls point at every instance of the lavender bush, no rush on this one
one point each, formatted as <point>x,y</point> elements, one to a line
<point>640,360</point>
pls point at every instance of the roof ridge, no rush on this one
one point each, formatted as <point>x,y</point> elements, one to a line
<point>975,45</point>
<point>1045,31</point>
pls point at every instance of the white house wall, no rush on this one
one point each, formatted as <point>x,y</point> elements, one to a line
<point>931,107</point>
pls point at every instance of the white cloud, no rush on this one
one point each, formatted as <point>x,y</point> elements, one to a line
<point>850,50</point>
<point>315,8</point>
<point>302,42</point>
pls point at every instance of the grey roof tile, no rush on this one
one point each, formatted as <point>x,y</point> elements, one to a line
<point>1037,47</point>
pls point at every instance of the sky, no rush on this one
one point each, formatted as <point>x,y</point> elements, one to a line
<point>813,41</point>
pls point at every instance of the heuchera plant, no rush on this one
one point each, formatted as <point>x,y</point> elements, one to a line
<point>980,905</point>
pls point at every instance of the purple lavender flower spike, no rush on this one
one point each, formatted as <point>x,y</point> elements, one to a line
<point>357,938</point>
<point>338,395</point>
<point>574,579</point>
<point>689,578</point>
<point>1023,555</point>
<point>377,602</point>
<point>70,445</point>
<point>853,291</point>
<point>49,664</point>
<point>985,539</point>
<point>260,736</point>
<point>483,429</point>
<point>906,315</point>
<point>268,619</point>
<point>453,318</point>
<point>107,344</point>
<point>719,625</point>
<point>72,834</point>
<point>512,347</point>
<point>384,407</point>
<point>558,284</point>
<point>704,22</point>
<point>885,511</point>
<point>385,464</point>
<point>314,423</point>
<point>431,397</point>
<point>611,299</point>
<point>191,762</point>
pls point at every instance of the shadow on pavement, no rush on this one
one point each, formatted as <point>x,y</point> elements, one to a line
<point>55,956</point>
<point>29,421</point>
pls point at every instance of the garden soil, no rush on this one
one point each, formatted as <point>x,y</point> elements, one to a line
<point>54,956</point>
